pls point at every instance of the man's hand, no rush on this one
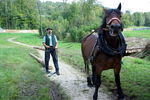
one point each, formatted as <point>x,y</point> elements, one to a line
<point>56,47</point>
<point>47,46</point>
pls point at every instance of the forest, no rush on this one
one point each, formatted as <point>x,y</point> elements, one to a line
<point>70,21</point>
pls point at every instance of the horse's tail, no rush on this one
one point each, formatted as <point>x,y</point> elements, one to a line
<point>87,67</point>
<point>86,61</point>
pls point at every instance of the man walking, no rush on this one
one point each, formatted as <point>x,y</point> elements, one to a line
<point>51,44</point>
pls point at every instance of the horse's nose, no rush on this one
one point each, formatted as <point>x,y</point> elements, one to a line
<point>116,26</point>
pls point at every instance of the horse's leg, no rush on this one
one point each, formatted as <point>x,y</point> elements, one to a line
<point>117,80</point>
<point>93,74</point>
<point>91,80</point>
<point>97,85</point>
<point>89,83</point>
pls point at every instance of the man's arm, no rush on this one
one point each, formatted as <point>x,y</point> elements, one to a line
<point>46,46</point>
<point>56,45</point>
<point>56,42</point>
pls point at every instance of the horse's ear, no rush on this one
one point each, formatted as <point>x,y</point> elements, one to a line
<point>119,7</point>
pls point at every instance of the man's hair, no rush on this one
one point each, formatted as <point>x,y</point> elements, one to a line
<point>49,29</point>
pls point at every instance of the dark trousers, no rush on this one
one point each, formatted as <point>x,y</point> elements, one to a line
<point>53,53</point>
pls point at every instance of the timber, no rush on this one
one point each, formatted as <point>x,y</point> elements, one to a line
<point>39,48</point>
<point>130,51</point>
<point>39,60</point>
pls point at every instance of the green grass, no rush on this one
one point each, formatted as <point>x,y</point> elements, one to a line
<point>138,27</point>
<point>134,74</point>
<point>134,78</point>
<point>139,34</point>
<point>21,77</point>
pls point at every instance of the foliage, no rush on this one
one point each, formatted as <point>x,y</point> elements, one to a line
<point>138,19</point>
<point>70,21</point>
<point>127,19</point>
<point>18,14</point>
<point>147,19</point>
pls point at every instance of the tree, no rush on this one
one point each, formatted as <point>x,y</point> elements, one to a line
<point>147,19</point>
<point>18,14</point>
<point>127,19</point>
<point>138,19</point>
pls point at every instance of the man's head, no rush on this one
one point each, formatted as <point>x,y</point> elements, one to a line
<point>49,30</point>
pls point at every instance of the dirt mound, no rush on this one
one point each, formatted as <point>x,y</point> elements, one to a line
<point>134,42</point>
<point>145,53</point>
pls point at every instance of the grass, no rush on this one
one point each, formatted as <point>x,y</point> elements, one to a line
<point>21,77</point>
<point>134,78</point>
<point>139,34</point>
<point>138,27</point>
<point>134,74</point>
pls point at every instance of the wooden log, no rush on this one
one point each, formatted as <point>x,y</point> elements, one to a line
<point>39,48</point>
<point>39,60</point>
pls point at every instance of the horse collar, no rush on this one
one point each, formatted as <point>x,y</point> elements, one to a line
<point>104,47</point>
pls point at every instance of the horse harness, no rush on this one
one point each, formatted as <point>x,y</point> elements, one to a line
<point>101,45</point>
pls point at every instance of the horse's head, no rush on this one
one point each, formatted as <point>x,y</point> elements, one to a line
<point>113,21</point>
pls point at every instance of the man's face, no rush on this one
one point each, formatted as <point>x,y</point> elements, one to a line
<point>49,31</point>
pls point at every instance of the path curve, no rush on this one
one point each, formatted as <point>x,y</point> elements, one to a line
<point>72,81</point>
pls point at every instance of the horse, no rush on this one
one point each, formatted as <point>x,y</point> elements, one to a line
<point>104,50</point>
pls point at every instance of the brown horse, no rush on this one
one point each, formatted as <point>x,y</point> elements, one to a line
<point>105,50</point>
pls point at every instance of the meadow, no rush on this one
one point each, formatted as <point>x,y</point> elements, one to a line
<point>134,74</point>
<point>139,34</point>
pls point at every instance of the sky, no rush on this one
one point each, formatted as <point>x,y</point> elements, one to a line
<point>131,5</point>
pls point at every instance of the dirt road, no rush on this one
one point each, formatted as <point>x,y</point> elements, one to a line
<point>72,81</point>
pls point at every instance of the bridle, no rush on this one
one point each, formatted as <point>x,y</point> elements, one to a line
<point>107,28</point>
<point>108,22</point>
<point>112,19</point>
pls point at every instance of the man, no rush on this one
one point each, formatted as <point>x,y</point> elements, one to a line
<point>51,44</point>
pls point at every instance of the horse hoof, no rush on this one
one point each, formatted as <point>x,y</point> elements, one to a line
<point>94,97</point>
<point>121,97</point>
<point>90,85</point>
